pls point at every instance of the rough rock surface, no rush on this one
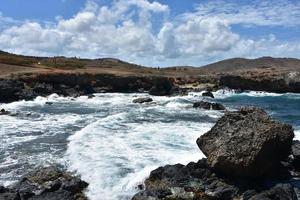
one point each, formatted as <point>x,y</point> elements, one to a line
<point>46,184</point>
<point>208,94</point>
<point>247,143</point>
<point>208,105</point>
<point>143,100</point>
<point>197,181</point>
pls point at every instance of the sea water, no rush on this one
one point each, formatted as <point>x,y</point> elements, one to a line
<point>112,143</point>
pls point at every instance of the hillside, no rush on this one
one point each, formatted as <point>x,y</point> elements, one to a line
<point>236,65</point>
<point>109,74</point>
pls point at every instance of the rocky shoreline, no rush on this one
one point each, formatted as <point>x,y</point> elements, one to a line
<point>249,156</point>
<point>31,86</point>
<point>48,183</point>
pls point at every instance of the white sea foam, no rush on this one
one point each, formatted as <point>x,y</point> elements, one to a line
<point>297,133</point>
<point>111,142</point>
<point>117,152</point>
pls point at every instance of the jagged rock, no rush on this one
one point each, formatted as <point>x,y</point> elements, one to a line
<point>46,184</point>
<point>208,94</point>
<point>247,143</point>
<point>208,105</point>
<point>143,100</point>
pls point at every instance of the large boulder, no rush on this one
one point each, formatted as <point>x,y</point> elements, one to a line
<point>46,184</point>
<point>208,106</point>
<point>247,143</point>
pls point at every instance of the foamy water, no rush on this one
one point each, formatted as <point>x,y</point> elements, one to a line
<point>112,143</point>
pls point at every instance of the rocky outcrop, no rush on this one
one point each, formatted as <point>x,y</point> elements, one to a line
<point>31,86</point>
<point>248,138</point>
<point>208,106</point>
<point>46,184</point>
<point>197,181</point>
<point>161,88</point>
<point>282,84</point>
<point>247,143</point>
<point>208,94</point>
<point>143,100</point>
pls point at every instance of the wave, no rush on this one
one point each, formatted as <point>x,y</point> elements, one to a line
<point>114,156</point>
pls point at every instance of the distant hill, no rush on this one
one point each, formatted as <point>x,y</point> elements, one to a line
<point>242,64</point>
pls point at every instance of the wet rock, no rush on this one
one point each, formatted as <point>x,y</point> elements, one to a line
<point>46,184</point>
<point>143,100</point>
<point>208,94</point>
<point>90,96</point>
<point>296,154</point>
<point>4,112</point>
<point>208,105</point>
<point>247,143</point>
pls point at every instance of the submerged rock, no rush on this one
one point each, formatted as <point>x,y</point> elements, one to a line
<point>4,112</point>
<point>46,184</point>
<point>208,105</point>
<point>208,94</point>
<point>247,143</point>
<point>143,100</point>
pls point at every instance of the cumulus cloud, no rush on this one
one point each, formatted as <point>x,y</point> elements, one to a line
<point>141,31</point>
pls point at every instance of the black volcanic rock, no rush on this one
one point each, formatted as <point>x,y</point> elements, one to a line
<point>208,94</point>
<point>9,90</point>
<point>247,143</point>
<point>143,100</point>
<point>161,88</point>
<point>46,184</point>
<point>208,105</point>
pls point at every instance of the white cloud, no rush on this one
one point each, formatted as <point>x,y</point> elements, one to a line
<point>259,12</point>
<point>126,30</point>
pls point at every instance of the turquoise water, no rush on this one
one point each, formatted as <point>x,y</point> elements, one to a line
<point>112,143</point>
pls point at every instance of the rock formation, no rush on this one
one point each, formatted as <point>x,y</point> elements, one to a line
<point>208,106</point>
<point>143,100</point>
<point>208,94</point>
<point>46,184</point>
<point>246,143</point>
<point>242,148</point>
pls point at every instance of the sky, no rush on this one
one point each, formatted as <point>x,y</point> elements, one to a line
<point>152,33</point>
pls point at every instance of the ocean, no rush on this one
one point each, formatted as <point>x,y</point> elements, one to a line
<point>112,143</point>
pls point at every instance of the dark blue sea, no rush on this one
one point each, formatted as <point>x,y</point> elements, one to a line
<point>112,143</point>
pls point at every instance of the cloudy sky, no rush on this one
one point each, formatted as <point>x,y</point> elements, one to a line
<point>152,33</point>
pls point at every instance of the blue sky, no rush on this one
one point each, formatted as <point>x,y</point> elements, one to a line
<point>152,33</point>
